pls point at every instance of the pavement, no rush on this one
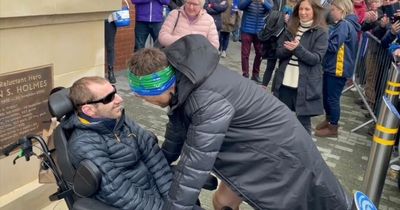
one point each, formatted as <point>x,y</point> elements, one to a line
<point>347,155</point>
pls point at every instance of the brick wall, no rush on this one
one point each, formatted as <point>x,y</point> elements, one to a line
<point>125,41</point>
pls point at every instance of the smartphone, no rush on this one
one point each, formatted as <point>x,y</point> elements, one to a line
<point>394,19</point>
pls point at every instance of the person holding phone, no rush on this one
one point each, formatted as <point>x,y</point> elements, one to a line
<point>394,32</point>
<point>254,12</point>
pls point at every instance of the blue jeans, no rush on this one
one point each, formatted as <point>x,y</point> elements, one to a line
<point>143,30</point>
<point>332,91</point>
<point>223,40</point>
<point>110,29</point>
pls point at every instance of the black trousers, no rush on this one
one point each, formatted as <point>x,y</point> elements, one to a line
<point>288,96</point>
<point>110,29</point>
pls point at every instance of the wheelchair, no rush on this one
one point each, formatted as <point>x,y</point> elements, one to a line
<point>75,185</point>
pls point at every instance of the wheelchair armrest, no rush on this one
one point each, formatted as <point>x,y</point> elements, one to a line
<point>91,204</point>
<point>87,179</point>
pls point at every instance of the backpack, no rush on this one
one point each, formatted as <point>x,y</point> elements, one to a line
<point>269,35</point>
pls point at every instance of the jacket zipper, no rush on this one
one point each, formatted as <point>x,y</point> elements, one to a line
<point>151,9</point>
<point>117,138</point>
<point>132,134</point>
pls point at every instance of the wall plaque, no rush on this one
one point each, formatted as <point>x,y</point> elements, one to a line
<point>23,103</point>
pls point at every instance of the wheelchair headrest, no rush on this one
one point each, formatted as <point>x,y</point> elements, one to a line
<point>60,104</point>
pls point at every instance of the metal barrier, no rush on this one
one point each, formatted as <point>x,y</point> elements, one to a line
<point>384,138</point>
<point>371,70</point>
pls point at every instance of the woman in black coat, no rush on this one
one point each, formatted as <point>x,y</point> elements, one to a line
<point>298,81</point>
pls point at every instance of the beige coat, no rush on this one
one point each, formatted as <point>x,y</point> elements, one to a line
<point>230,20</point>
<point>174,28</point>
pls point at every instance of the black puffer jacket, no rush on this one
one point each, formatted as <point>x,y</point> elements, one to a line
<point>135,172</point>
<point>222,122</point>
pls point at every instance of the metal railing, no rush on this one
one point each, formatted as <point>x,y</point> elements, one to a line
<point>384,137</point>
<point>371,70</point>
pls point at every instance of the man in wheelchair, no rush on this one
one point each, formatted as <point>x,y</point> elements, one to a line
<point>135,173</point>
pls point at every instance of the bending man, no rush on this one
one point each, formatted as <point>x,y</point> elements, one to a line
<point>224,123</point>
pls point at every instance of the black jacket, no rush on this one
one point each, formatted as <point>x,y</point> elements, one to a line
<point>215,8</point>
<point>273,28</point>
<point>135,173</point>
<point>310,54</point>
<point>222,122</point>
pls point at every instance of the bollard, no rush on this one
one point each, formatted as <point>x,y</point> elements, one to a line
<point>383,139</point>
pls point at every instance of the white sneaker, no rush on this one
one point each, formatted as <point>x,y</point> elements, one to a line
<point>223,54</point>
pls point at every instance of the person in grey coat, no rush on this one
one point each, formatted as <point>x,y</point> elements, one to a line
<point>301,49</point>
<point>224,123</point>
<point>134,172</point>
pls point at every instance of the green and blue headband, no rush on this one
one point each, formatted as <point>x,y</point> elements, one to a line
<point>153,84</point>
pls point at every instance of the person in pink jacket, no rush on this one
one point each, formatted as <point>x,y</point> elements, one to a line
<point>191,18</point>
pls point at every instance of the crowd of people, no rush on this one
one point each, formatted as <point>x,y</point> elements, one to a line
<point>310,85</point>
<point>259,144</point>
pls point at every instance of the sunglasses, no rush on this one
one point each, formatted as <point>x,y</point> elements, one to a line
<point>106,100</point>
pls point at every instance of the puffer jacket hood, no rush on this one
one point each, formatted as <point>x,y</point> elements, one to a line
<point>190,59</point>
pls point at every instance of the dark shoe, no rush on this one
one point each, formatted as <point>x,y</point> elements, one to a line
<point>256,79</point>
<point>322,125</point>
<point>245,75</point>
<point>110,75</point>
<point>328,131</point>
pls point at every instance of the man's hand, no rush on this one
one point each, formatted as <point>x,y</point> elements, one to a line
<point>384,21</point>
<point>395,29</point>
<point>371,16</point>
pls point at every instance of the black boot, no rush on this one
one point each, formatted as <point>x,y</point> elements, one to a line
<point>110,75</point>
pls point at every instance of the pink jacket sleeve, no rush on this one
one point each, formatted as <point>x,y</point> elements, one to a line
<point>165,37</point>
<point>213,36</point>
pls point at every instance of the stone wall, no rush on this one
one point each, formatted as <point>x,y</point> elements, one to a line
<point>66,34</point>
